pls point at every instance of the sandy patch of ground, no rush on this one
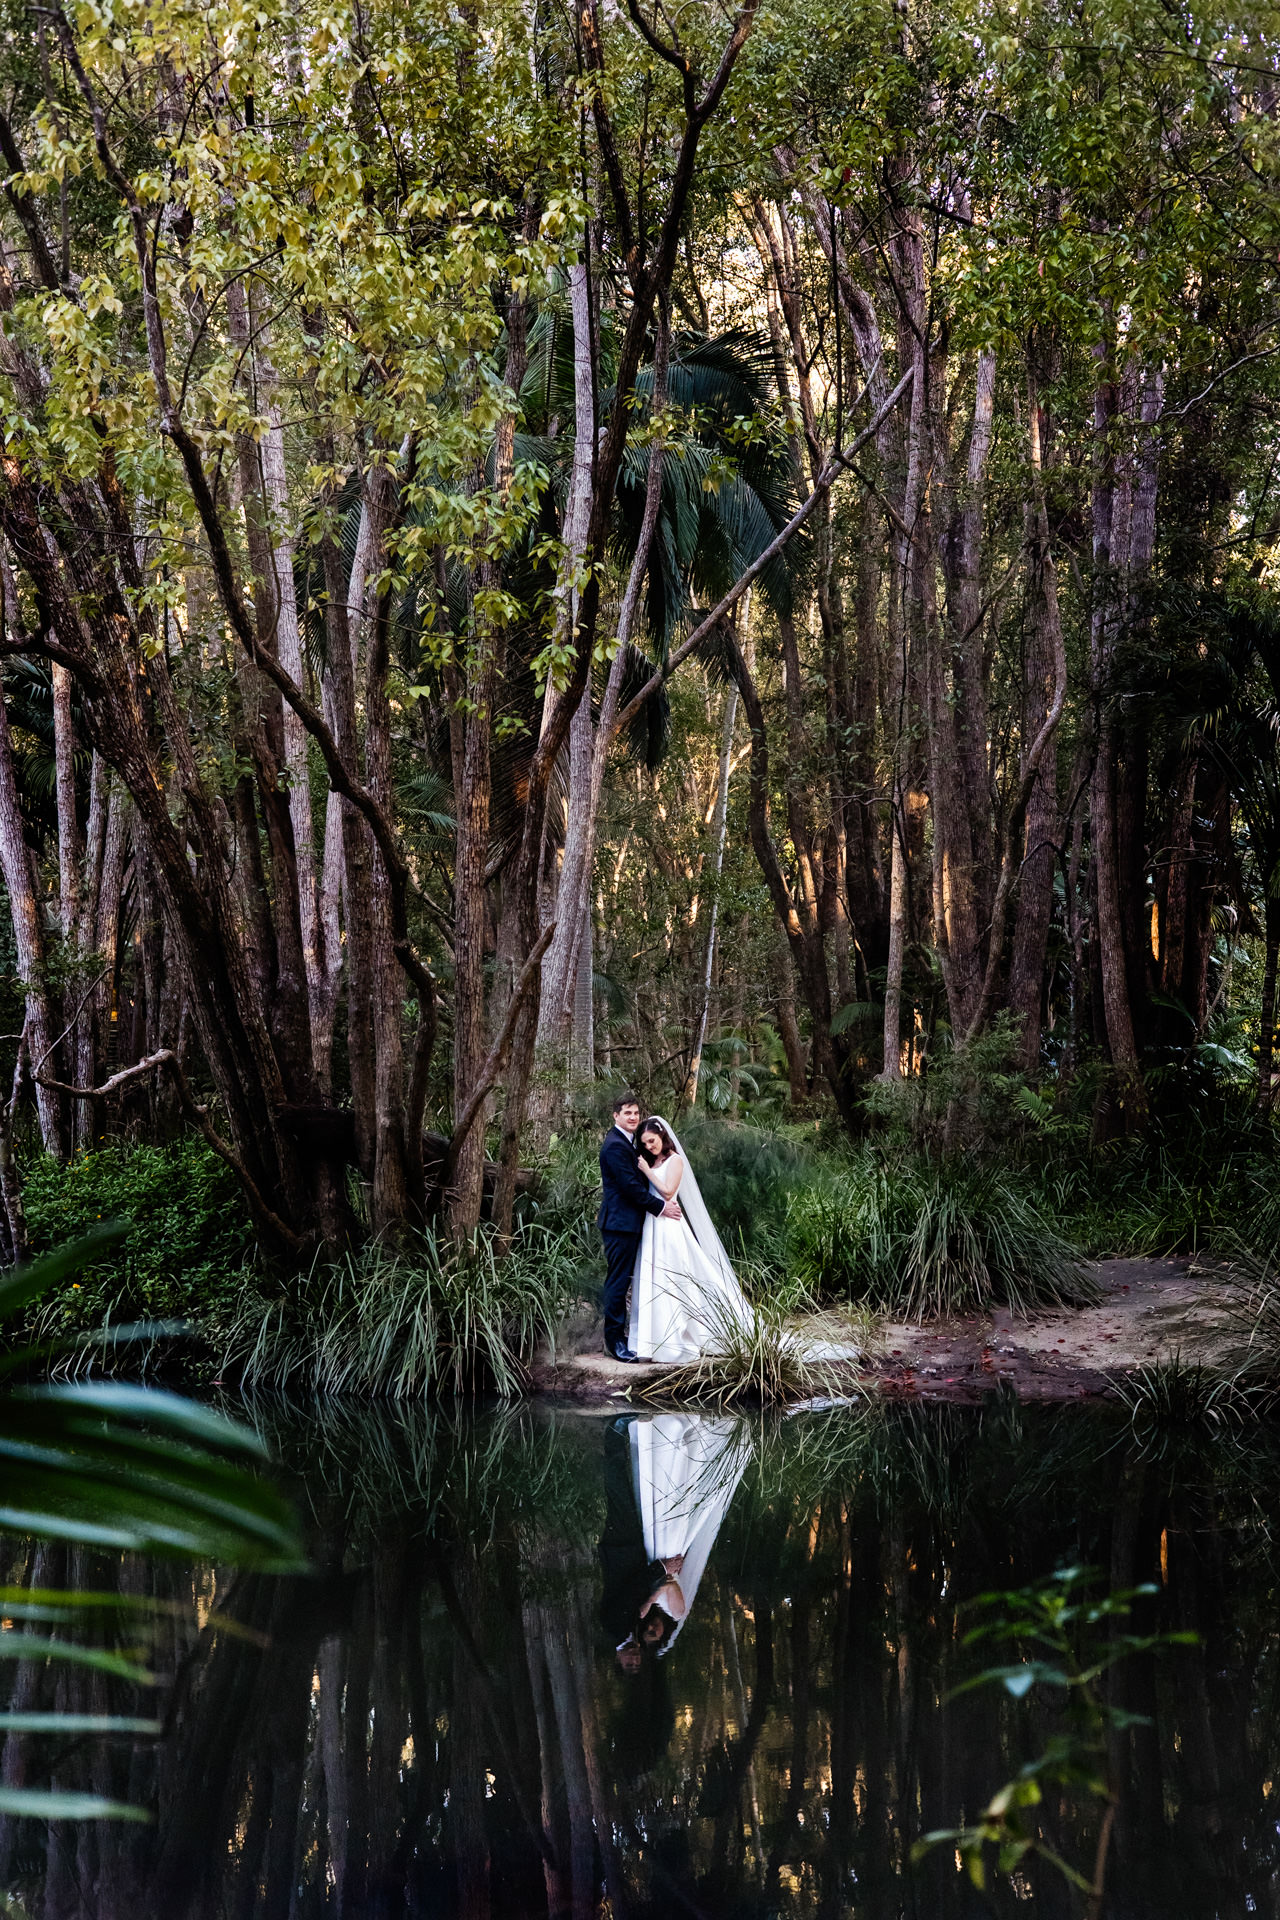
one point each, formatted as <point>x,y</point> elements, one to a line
<point>1150,1311</point>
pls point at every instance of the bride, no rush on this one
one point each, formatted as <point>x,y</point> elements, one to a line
<point>685,1297</point>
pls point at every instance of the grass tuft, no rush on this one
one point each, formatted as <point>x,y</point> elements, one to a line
<point>425,1316</point>
<point>1175,1398</point>
<point>764,1362</point>
<point>920,1238</point>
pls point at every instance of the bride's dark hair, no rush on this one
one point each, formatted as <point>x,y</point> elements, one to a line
<point>663,1131</point>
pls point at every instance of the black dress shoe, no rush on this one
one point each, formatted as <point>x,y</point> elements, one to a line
<point>621,1352</point>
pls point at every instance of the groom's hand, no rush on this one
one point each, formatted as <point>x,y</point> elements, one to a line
<point>672,1211</point>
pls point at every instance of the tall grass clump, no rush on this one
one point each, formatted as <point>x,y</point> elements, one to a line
<point>915,1237</point>
<point>425,1316</point>
<point>1176,1400</point>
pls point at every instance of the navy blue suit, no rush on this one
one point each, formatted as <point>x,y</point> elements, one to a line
<point>626,1199</point>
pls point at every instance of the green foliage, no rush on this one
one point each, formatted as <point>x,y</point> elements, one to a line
<point>1068,1648</point>
<point>187,1244</point>
<point>1195,1181</point>
<point>911,1236</point>
<point>425,1316</point>
<point>126,1469</point>
<point>746,1174</point>
<point>972,1099</point>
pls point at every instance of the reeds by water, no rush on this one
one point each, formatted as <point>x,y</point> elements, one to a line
<point>918,1238</point>
<point>424,1316</point>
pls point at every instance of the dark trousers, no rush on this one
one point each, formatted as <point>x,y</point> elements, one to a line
<point>620,1251</point>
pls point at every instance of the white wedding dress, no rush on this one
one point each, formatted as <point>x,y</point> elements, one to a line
<point>685,1297</point>
<point>685,1469</point>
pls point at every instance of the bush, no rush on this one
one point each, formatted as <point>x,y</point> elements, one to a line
<point>746,1175</point>
<point>190,1235</point>
<point>1184,1187</point>
<point>405,1321</point>
<point>913,1237</point>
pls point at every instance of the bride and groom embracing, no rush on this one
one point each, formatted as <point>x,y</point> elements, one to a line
<point>660,1243</point>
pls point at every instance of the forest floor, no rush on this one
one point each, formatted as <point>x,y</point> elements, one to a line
<point>1150,1311</point>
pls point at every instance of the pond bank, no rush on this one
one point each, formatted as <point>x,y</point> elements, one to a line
<point>1150,1311</point>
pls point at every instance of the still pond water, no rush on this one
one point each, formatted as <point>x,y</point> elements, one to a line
<point>440,1721</point>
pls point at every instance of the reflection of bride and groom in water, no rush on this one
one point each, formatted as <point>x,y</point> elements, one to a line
<point>669,1479</point>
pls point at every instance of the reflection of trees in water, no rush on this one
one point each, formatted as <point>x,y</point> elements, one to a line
<point>434,1725</point>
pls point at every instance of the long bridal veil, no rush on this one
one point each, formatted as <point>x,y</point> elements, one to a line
<point>694,1209</point>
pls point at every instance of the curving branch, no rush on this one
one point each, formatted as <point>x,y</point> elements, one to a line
<point>496,1059</point>
<point>166,1057</point>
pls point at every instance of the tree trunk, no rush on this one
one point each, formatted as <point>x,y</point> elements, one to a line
<point>1043,648</point>
<point>1111,954</point>
<point>555,1015</point>
<point>28,935</point>
<point>719,824</point>
<point>1267,1019</point>
<point>784,990</point>
<point>69,848</point>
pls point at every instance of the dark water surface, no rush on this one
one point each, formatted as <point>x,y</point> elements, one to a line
<point>438,1723</point>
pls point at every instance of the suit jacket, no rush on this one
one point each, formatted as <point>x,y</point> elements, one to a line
<point>627,1195</point>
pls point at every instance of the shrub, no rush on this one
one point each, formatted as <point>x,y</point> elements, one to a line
<point>914,1237</point>
<point>1180,1188</point>
<point>746,1174</point>
<point>426,1315</point>
<point>971,1098</point>
<point>189,1240</point>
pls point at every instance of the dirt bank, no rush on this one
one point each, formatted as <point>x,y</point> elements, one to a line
<point>1150,1310</point>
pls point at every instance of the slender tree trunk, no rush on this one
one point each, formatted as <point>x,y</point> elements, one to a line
<point>89,991</point>
<point>1111,956</point>
<point>391,1198</point>
<point>1267,1019</point>
<point>69,847</point>
<point>28,934</point>
<point>555,1014</point>
<point>1043,648</point>
<point>719,825</point>
<point>784,992</point>
<point>898,904</point>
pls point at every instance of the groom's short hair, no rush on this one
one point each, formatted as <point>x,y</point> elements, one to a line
<point>625,1100</point>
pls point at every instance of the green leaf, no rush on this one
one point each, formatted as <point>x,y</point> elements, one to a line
<point>53,1268</point>
<point>79,1723</point>
<point>34,1646</point>
<point>32,1804</point>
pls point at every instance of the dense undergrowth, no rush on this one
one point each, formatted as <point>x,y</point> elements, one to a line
<point>971,1190</point>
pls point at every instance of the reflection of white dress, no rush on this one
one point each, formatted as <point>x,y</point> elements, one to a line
<point>686,1468</point>
<point>684,1296</point>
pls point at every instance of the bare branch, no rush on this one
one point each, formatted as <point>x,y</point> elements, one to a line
<point>166,1057</point>
<point>497,1057</point>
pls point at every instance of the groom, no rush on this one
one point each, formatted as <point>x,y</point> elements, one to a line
<point>626,1199</point>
